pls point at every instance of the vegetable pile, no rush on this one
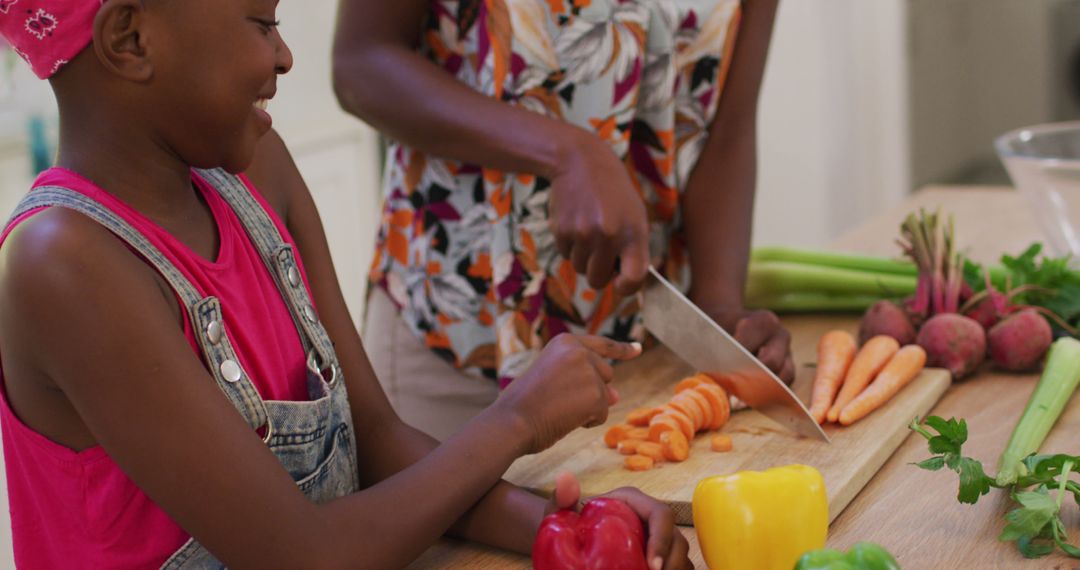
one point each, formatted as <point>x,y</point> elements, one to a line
<point>850,383</point>
<point>1036,525</point>
<point>862,556</point>
<point>652,435</point>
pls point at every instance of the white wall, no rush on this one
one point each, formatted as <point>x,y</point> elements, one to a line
<point>833,142</point>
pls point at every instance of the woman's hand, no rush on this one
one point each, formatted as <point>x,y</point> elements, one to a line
<point>761,333</point>
<point>598,216</point>
<point>666,549</point>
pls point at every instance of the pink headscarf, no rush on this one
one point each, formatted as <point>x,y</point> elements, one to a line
<point>48,33</point>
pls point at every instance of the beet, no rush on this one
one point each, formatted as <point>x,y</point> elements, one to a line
<point>889,319</point>
<point>990,310</point>
<point>954,342</point>
<point>1019,342</point>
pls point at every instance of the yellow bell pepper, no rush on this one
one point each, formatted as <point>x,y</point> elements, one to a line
<point>761,520</point>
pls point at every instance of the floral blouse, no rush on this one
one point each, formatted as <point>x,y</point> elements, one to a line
<point>465,251</point>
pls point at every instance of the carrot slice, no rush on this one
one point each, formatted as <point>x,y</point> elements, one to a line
<point>835,351</point>
<point>660,424</point>
<point>688,383</point>
<point>639,463</point>
<point>720,403</point>
<point>685,423</point>
<point>641,416</point>
<point>676,448</point>
<point>904,366</point>
<point>689,409</point>
<point>637,433</point>
<point>871,358</point>
<point>615,434</point>
<point>721,443</point>
<point>706,407</point>
<point>651,449</point>
<point>629,446</point>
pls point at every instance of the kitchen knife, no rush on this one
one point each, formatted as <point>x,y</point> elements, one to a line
<point>698,340</point>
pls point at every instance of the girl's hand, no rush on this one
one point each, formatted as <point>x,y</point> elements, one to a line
<point>763,335</point>
<point>565,388</point>
<point>666,549</point>
<point>598,216</point>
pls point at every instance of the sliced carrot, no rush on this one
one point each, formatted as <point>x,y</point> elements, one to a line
<point>641,433</point>
<point>688,383</point>
<point>629,446</point>
<point>651,449</point>
<point>721,442</point>
<point>615,434</point>
<point>639,463</point>
<point>706,407</point>
<point>902,368</point>
<point>685,423</point>
<point>660,424</point>
<point>835,351</point>
<point>641,416</point>
<point>870,359</point>
<point>676,448</point>
<point>690,409</point>
<point>720,403</point>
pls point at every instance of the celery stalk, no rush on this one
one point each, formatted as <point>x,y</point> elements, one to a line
<point>834,259</point>
<point>1056,385</point>
<point>768,278</point>
<point>812,302</point>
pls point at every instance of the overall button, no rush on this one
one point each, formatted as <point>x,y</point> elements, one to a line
<point>294,276</point>
<point>230,370</point>
<point>213,332</point>
<point>309,312</point>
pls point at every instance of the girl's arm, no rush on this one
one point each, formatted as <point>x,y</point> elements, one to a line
<point>380,77</point>
<point>718,204</point>
<point>505,516</point>
<point>84,313</point>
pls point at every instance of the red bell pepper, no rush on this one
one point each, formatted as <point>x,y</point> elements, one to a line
<point>606,535</point>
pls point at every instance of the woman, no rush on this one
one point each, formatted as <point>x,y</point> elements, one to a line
<point>545,153</point>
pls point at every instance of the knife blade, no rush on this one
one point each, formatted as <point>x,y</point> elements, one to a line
<point>697,339</point>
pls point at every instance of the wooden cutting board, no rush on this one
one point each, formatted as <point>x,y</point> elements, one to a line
<point>847,464</point>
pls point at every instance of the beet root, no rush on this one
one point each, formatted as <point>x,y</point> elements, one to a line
<point>990,310</point>
<point>954,342</point>
<point>1019,342</point>
<point>889,319</point>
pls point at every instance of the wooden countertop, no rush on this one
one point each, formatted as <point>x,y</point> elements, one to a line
<point>913,513</point>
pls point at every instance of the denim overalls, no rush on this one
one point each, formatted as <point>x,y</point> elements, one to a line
<point>313,440</point>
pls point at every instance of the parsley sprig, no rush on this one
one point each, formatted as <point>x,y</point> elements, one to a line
<point>1035,525</point>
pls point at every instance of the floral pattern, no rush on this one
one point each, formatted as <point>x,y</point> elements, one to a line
<point>465,251</point>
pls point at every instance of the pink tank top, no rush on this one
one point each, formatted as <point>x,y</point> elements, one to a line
<point>78,509</point>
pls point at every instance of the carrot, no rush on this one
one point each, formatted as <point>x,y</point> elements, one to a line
<point>637,433</point>
<point>690,409</point>
<point>676,448</point>
<point>721,442</point>
<point>615,434</point>
<point>689,382</point>
<point>660,424</point>
<point>902,368</point>
<point>652,450</point>
<point>628,446</point>
<point>718,399</point>
<point>707,410</point>
<point>835,351</point>
<point>685,423</point>
<point>641,416</point>
<point>639,463</point>
<point>870,359</point>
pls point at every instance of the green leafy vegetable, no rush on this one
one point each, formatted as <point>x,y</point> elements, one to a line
<point>1036,524</point>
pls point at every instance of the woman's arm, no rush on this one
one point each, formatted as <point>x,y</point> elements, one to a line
<point>380,77</point>
<point>718,204</point>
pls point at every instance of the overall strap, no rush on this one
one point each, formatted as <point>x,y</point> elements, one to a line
<point>204,312</point>
<point>280,260</point>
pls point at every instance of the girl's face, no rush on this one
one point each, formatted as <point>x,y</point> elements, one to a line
<point>216,68</point>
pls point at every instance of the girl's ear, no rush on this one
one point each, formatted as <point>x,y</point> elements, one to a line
<point>120,39</point>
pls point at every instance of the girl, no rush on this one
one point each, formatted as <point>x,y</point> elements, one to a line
<point>182,385</point>
<point>545,151</point>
